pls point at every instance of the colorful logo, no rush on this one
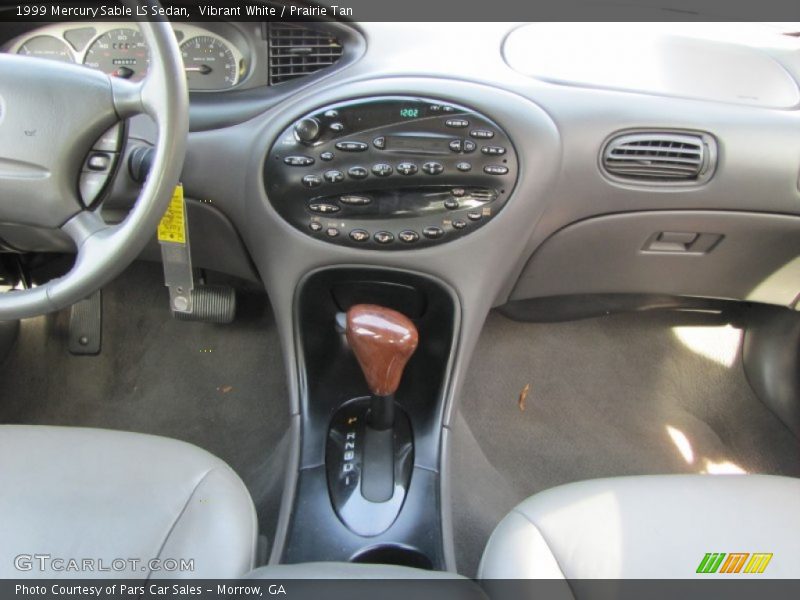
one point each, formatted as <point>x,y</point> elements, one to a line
<point>735,562</point>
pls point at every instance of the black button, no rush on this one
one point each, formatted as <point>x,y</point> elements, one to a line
<point>464,167</point>
<point>323,208</point>
<point>358,172</point>
<point>332,232</point>
<point>408,236</point>
<point>469,146</point>
<point>436,108</point>
<point>406,168</point>
<point>379,142</point>
<point>448,109</point>
<point>315,226</point>
<point>326,156</point>
<point>384,237</point>
<point>456,145</point>
<point>432,168</point>
<point>482,134</point>
<point>351,200</point>
<point>493,150</point>
<point>331,114</point>
<point>333,176</point>
<point>457,123</point>
<point>474,215</point>
<point>451,204</point>
<point>351,146</point>
<point>312,180</point>
<point>433,233</point>
<point>495,170</point>
<point>298,161</point>
<point>337,127</point>
<point>459,224</point>
<point>458,192</point>
<point>382,169</point>
<point>359,235</point>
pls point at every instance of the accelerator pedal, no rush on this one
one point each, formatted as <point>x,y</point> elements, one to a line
<point>86,325</point>
<point>210,304</point>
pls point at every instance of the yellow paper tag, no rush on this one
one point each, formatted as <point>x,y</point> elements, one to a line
<point>172,227</point>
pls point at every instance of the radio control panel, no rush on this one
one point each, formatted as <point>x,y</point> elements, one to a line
<point>391,173</point>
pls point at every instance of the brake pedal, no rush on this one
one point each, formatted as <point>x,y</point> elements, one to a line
<point>86,325</point>
<point>210,304</point>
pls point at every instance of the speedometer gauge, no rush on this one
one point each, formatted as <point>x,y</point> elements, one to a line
<point>46,46</point>
<point>121,53</point>
<point>209,64</point>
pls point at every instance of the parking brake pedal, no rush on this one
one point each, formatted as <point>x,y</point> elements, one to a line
<point>86,325</point>
<point>187,301</point>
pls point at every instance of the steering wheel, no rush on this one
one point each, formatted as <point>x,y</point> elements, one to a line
<point>51,114</point>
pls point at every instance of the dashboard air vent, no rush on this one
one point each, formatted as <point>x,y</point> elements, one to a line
<point>660,157</point>
<point>297,50</point>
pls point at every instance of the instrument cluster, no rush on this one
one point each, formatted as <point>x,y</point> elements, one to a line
<point>212,62</point>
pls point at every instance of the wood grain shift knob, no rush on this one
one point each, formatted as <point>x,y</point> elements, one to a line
<point>383,340</point>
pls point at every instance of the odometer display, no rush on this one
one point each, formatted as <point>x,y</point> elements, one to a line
<point>121,53</point>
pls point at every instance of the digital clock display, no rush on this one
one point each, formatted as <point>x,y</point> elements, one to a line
<point>409,113</point>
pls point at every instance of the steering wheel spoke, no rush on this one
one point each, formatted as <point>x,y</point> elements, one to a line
<point>128,97</point>
<point>84,225</point>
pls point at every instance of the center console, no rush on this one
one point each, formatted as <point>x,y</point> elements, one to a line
<point>368,484</point>
<point>391,172</point>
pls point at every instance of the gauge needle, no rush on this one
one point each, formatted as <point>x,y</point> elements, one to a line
<point>202,69</point>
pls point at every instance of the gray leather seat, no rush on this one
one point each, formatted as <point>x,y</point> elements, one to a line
<point>96,495</point>
<point>649,527</point>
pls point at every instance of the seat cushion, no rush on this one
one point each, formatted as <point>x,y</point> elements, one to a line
<point>106,497</point>
<point>650,527</point>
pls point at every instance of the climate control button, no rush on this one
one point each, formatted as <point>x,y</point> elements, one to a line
<point>493,150</point>
<point>323,208</point>
<point>312,181</point>
<point>359,235</point>
<point>408,236</point>
<point>358,172</point>
<point>406,168</point>
<point>333,176</point>
<point>351,200</point>
<point>433,232</point>
<point>432,168</point>
<point>298,161</point>
<point>384,237</point>
<point>382,169</point>
<point>351,146</point>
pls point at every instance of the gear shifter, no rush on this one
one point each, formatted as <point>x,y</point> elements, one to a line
<point>383,340</point>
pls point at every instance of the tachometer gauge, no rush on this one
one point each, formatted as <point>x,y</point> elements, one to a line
<point>121,53</point>
<point>209,64</point>
<point>46,46</point>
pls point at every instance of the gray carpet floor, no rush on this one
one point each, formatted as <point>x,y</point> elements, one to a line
<point>619,395</point>
<point>220,387</point>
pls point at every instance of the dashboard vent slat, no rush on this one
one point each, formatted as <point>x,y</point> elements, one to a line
<point>296,51</point>
<point>660,157</point>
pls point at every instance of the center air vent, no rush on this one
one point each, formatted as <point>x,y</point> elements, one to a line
<point>297,50</point>
<point>660,157</point>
